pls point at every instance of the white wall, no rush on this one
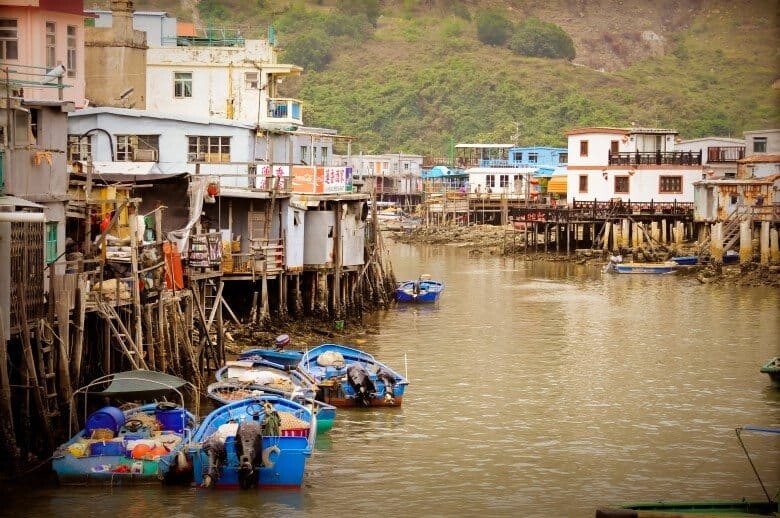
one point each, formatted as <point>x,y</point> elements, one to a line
<point>643,185</point>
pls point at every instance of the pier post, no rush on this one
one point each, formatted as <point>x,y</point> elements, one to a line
<point>617,236</point>
<point>654,232</point>
<point>680,234</point>
<point>664,238</point>
<point>625,234</point>
<point>764,243</point>
<point>774,246</point>
<point>716,243</point>
<point>605,244</point>
<point>745,241</point>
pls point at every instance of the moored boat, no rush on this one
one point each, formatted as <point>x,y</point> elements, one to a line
<point>265,373</point>
<point>643,268</point>
<point>419,290</point>
<point>772,368</point>
<point>349,377</point>
<point>685,260</point>
<point>140,445</point>
<point>226,392</point>
<point>284,358</point>
<point>254,443</point>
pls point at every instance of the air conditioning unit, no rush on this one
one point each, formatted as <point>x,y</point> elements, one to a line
<point>145,155</point>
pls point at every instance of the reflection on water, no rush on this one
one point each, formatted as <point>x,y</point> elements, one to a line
<point>536,389</point>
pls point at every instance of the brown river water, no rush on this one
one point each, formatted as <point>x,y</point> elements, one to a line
<point>536,389</point>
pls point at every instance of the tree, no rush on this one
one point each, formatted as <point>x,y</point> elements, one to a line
<point>310,50</point>
<point>492,27</point>
<point>542,40</point>
<point>369,8</point>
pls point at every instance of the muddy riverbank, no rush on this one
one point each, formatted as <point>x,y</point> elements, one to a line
<point>500,240</point>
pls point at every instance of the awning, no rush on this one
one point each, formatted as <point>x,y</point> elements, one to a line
<point>139,384</point>
<point>557,185</point>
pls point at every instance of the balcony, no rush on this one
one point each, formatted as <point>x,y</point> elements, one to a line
<point>691,158</point>
<point>725,154</point>
<point>283,112</point>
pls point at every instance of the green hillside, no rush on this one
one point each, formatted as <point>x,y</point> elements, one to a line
<point>414,76</point>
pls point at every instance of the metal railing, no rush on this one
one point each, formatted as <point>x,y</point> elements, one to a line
<point>656,158</point>
<point>725,154</point>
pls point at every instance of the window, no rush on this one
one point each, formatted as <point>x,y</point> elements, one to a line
<point>583,148</point>
<point>209,149</point>
<point>324,155</point>
<point>614,147</point>
<point>79,148</point>
<point>35,123</point>
<point>9,39</point>
<point>490,181</point>
<point>137,148</point>
<point>182,84</point>
<point>533,158</point>
<point>305,157</point>
<point>563,158</point>
<point>51,45</point>
<point>51,241</point>
<point>583,183</point>
<point>71,51</point>
<point>503,180</point>
<point>250,78</point>
<point>759,145</point>
<point>670,184</point>
<point>621,184</point>
<point>21,127</point>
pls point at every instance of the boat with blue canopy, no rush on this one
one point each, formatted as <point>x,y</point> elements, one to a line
<point>140,444</point>
<point>260,442</point>
<point>349,377</point>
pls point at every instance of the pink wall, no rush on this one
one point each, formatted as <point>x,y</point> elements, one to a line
<point>31,25</point>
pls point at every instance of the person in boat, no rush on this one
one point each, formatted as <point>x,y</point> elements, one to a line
<point>416,287</point>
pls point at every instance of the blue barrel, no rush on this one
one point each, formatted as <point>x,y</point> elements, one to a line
<point>109,417</point>
<point>172,420</point>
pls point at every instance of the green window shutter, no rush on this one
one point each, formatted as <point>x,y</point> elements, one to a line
<point>51,242</point>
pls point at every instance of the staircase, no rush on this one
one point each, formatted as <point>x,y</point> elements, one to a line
<point>731,230</point>
<point>48,376</point>
<point>121,334</point>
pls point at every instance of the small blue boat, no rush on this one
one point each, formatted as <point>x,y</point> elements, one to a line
<point>226,392</point>
<point>286,359</point>
<point>142,445</point>
<point>349,377</point>
<point>268,375</point>
<point>646,268</point>
<point>685,260</point>
<point>259,442</point>
<point>420,290</point>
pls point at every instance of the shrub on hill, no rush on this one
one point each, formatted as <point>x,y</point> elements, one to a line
<point>310,50</point>
<point>540,39</point>
<point>492,27</point>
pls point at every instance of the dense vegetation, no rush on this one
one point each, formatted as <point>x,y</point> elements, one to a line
<point>415,76</point>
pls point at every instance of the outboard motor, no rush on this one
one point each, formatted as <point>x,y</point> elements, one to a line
<point>215,450</point>
<point>388,379</point>
<point>249,452</point>
<point>359,379</point>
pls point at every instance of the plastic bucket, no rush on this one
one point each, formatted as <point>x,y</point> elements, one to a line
<point>172,420</point>
<point>109,417</point>
<point>113,448</point>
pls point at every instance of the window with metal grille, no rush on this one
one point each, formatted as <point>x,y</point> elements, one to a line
<point>71,51</point>
<point>51,241</point>
<point>137,148</point>
<point>9,39</point>
<point>79,148</point>
<point>251,80</point>
<point>182,84</point>
<point>208,149</point>
<point>533,158</point>
<point>670,184</point>
<point>51,44</point>
<point>621,184</point>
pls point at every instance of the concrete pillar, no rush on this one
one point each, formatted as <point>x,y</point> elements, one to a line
<point>617,236</point>
<point>664,240</point>
<point>764,243</point>
<point>624,234</point>
<point>745,241</point>
<point>680,234</point>
<point>607,227</point>
<point>774,249</point>
<point>654,232</point>
<point>635,235</point>
<point>716,243</point>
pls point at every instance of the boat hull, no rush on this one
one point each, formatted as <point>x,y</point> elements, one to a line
<point>283,358</point>
<point>110,467</point>
<point>671,509</point>
<point>419,291</point>
<point>772,369</point>
<point>646,268</point>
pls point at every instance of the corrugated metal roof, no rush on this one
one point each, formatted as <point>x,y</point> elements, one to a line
<point>557,185</point>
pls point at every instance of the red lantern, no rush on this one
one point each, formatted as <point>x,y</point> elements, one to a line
<point>212,189</point>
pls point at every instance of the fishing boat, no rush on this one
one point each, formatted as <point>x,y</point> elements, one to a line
<point>419,290</point>
<point>646,268</point>
<point>743,507</point>
<point>260,442</point>
<point>772,368</point>
<point>141,444</point>
<point>685,260</point>
<point>349,377</point>
<point>226,392</point>
<point>268,375</point>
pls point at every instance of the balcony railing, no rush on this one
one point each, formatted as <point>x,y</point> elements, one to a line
<point>725,154</point>
<point>284,111</point>
<point>656,158</point>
